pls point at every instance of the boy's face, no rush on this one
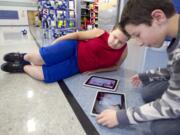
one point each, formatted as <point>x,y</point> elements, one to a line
<point>151,36</point>
<point>117,39</point>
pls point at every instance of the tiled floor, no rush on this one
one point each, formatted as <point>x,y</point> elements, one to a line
<point>29,106</point>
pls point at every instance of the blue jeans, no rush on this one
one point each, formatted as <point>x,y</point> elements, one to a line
<point>151,92</point>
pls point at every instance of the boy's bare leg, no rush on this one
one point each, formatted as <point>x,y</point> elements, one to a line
<point>34,58</point>
<point>34,71</point>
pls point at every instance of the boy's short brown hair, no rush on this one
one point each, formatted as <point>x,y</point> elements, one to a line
<point>139,11</point>
<point>118,26</point>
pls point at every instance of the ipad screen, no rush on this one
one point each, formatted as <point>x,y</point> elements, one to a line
<point>107,100</point>
<point>102,82</point>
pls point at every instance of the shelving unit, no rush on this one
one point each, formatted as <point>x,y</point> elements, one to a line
<point>58,17</point>
<point>89,14</point>
<point>94,15</point>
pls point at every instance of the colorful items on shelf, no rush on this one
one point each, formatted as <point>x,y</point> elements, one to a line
<point>94,14</point>
<point>58,17</point>
<point>89,15</point>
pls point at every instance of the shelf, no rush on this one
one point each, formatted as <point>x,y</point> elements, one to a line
<point>60,16</point>
<point>85,8</point>
<point>71,9</point>
<point>85,15</point>
<point>90,8</point>
<point>90,1</point>
<point>66,28</point>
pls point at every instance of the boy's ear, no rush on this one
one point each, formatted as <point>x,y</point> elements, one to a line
<point>158,15</point>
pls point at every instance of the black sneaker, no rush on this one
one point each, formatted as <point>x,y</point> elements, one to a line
<point>14,57</point>
<point>15,67</point>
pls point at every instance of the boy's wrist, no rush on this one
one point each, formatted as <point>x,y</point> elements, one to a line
<point>122,117</point>
<point>144,78</point>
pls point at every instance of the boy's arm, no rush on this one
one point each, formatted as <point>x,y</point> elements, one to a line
<point>102,70</point>
<point>115,67</point>
<point>167,107</point>
<point>82,35</point>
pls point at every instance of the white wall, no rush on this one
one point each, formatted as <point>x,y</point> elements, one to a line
<point>135,58</point>
<point>22,12</point>
<point>29,1</point>
<point>22,6</point>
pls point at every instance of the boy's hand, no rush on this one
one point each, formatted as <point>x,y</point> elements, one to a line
<point>107,118</point>
<point>135,80</point>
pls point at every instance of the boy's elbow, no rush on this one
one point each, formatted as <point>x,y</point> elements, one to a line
<point>77,35</point>
<point>116,67</point>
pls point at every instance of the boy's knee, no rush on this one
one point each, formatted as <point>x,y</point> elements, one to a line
<point>147,97</point>
<point>154,90</point>
<point>27,57</point>
<point>165,127</point>
<point>25,68</point>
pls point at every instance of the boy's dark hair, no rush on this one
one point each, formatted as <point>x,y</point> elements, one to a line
<point>139,11</point>
<point>118,26</point>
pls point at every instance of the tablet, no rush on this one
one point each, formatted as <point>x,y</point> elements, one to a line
<point>102,83</point>
<point>107,100</point>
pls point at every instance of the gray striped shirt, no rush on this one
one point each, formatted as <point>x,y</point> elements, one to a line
<point>168,106</point>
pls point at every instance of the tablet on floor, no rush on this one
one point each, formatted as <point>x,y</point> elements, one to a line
<point>104,83</point>
<point>107,100</point>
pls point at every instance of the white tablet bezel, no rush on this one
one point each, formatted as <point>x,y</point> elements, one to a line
<point>99,87</point>
<point>108,92</point>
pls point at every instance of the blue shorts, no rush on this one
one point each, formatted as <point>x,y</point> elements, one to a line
<point>60,60</point>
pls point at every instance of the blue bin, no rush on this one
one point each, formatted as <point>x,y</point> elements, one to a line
<point>176,5</point>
